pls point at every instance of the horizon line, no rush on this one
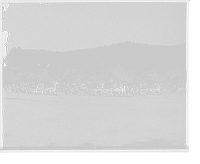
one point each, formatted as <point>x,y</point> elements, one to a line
<point>114,44</point>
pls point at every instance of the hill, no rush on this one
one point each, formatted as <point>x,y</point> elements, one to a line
<point>123,60</point>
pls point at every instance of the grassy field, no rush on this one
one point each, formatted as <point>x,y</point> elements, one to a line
<point>83,122</point>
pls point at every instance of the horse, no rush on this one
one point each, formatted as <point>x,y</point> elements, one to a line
<point>128,88</point>
<point>51,87</point>
<point>26,84</point>
<point>32,87</point>
<point>119,88</point>
<point>136,88</point>
<point>84,88</point>
<point>153,88</point>
<point>100,88</point>
<point>40,88</point>
<point>92,88</point>
<point>157,88</point>
<point>109,88</point>
<point>74,89</point>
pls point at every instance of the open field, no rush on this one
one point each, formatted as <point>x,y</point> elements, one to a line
<point>83,122</point>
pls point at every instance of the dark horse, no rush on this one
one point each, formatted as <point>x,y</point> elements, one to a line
<point>51,87</point>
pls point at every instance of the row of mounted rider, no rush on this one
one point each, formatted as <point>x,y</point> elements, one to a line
<point>35,87</point>
<point>100,88</point>
<point>115,89</point>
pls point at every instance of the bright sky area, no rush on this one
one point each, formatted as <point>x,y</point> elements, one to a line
<point>70,26</point>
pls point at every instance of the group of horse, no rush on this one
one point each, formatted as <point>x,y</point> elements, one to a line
<point>154,88</point>
<point>100,89</point>
<point>114,89</point>
<point>35,87</point>
<point>118,88</point>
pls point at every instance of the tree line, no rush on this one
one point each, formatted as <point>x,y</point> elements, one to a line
<point>125,60</point>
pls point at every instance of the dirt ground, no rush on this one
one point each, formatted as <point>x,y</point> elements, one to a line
<point>83,122</point>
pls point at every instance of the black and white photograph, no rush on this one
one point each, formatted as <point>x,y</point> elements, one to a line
<point>95,76</point>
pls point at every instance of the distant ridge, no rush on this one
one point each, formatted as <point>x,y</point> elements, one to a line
<point>127,55</point>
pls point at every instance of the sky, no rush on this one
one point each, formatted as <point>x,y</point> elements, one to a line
<point>71,26</point>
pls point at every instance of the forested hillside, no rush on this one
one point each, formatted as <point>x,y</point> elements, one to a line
<point>123,60</point>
